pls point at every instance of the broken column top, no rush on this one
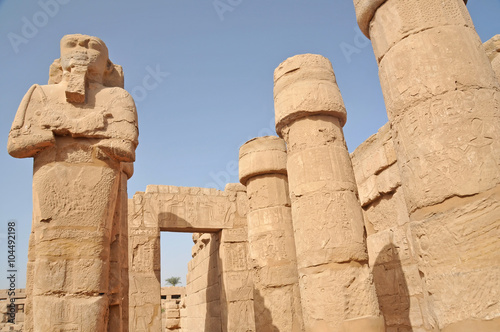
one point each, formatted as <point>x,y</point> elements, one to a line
<point>305,85</point>
<point>365,10</point>
<point>262,155</point>
<point>492,47</point>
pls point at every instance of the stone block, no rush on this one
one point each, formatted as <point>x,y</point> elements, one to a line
<point>389,211</point>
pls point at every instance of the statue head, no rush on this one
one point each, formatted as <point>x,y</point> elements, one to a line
<point>87,51</point>
<point>85,58</point>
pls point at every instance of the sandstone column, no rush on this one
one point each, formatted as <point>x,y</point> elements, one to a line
<point>270,234</point>
<point>443,103</point>
<point>336,286</point>
<point>441,96</point>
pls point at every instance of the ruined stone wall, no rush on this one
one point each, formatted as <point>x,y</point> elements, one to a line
<point>203,286</point>
<point>392,258</point>
<point>404,297</point>
<point>172,301</point>
<point>8,308</point>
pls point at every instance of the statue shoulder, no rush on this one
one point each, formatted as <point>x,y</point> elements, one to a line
<point>34,95</point>
<point>120,104</point>
<point>26,138</point>
<point>118,96</point>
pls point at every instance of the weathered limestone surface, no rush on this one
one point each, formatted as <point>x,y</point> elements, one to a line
<point>378,179</point>
<point>443,103</point>
<point>336,286</point>
<point>270,235</point>
<point>81,130</point>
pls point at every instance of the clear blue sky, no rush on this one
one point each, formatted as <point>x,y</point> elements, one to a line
<point>214,91</point>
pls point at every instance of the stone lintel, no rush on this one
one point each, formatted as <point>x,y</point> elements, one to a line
<point>189,209</point>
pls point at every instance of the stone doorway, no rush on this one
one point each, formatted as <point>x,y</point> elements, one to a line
<point>219,283</point>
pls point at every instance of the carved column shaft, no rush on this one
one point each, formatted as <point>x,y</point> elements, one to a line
<point>336,286</point>
<point>270,235</point>
<point>441,95</point>
<point>443,103</point>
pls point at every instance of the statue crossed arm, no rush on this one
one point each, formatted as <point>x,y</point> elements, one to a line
<point>36,125</point>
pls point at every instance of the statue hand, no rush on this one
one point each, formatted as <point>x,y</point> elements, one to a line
<point>118,149</point>
<point>89,124</point>
<point>52,120</point>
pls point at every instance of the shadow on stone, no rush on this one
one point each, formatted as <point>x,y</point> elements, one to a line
<point>392,290</point>
<point>263,318</point>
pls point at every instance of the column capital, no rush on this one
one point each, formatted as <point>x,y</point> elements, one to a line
<point>305,85</point>
<point>365,10</point>
<point>262,155</point>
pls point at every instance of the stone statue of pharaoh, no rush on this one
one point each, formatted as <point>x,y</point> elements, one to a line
<point>81,129</point>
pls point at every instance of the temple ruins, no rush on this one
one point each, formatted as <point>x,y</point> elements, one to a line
<point>400,235</point>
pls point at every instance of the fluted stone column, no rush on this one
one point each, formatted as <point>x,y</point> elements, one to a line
<point>336,286</point>
<point>270,233</point>
<point>443,103</point>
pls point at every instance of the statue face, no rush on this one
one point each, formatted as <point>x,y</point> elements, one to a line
<point>82,50</point>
